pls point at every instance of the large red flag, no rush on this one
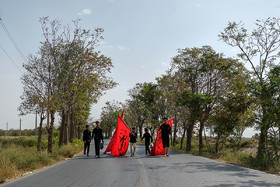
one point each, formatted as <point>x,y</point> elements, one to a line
<point>113,139</point>
<point>111,143</point>
<point>157,149</point>
<point>121,139</point>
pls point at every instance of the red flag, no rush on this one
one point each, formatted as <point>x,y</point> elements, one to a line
<point>122,116</point>
<point>157,149</point>
<point>121,141</point>
<point>113,139</point>
<point>111,143</point>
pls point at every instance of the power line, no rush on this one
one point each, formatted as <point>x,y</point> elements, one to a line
<point>12,40</point>
<point>10,58</point>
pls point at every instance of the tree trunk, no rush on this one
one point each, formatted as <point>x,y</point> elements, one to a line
<point>140,131</point>
<point>40,132</point>
<point>50,134</point>
<point>65,136</point>
<point>211,131</point>
<point>217,144</point>
<point>62,128</point>
<point>189,137</point>
<point>79,131</point>
<point>262,141</point>
<point>263,136</point>
<point>76,125</point>
<point>48,119</point>
<point>279,132</point>
<point>184,133</point>
<point>72,127</point>
<point>201,136</point>
<point>175,131</point>
<point>206,141</point>
<point>141,128</point>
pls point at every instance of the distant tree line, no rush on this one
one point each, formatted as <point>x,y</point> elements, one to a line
<point>17,132</point>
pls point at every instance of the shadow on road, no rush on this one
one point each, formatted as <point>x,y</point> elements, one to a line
<point>227,170</point>
<point>248,183</point>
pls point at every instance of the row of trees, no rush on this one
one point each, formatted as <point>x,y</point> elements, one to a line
<point>65,77</point>
<point>205,89</point>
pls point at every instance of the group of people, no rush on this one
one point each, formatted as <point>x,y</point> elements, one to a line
<point>97,135</point>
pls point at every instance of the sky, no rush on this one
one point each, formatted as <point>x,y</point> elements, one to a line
<point>141,37</point>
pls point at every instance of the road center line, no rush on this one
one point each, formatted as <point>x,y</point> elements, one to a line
<point>143,177</point>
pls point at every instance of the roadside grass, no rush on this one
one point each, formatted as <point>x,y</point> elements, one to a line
<point>19,155</point>
<point>242,153</point>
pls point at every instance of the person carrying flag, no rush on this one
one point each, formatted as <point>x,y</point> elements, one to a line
<point>165,132</point>
<point>132,140</point>
<point>147,137</point>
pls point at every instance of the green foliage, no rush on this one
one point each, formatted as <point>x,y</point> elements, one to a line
<point>260,49</point>
<point>109,117</point>
<point>77,142</point>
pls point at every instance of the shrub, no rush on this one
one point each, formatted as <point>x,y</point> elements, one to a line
<point>21,141</point>
<point>77,142</point>
<point>246,144</point>
<point>67,151</point>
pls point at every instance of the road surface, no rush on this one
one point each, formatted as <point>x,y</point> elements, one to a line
<point>176,170</point>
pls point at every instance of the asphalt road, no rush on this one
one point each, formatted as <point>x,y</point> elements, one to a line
<point>176,170</point>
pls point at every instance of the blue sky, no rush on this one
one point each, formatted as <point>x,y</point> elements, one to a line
<point>141,37</point>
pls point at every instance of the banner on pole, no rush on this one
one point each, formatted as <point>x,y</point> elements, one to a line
<point>121,140</point>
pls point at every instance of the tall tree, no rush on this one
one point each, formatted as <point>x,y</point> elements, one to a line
<point>260,49</point>
<point>206,74</point>
<point>66,75</point>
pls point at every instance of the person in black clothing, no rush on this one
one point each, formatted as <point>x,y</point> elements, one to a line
<point>97,134</point>
<point>87,140</point>
<point>147,137</point>
<point>132,140</point>
<point>165,132</point>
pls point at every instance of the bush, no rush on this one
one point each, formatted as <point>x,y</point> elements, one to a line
<point>77,142</point>
<point>6,170</point>
<point>21,141</point>
<point>235,157</point>
<point>246,144</point>
<point>67,151</point>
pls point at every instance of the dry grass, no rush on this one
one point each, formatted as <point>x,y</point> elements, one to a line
<point>19,155</point>
<point>241,153</point>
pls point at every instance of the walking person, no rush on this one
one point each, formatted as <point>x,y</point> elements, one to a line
<point>87,140</point>
<point>165,132</point>
<point>97,135</point>
<point>132,140</point>
<point>148,140</point>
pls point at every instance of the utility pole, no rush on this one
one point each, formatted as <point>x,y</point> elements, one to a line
<point>20,127</point>
<point>36,123</point>
<point>7,128</point>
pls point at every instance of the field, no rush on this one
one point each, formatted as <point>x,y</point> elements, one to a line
<point>18,155</point>
<point>240,152</point>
